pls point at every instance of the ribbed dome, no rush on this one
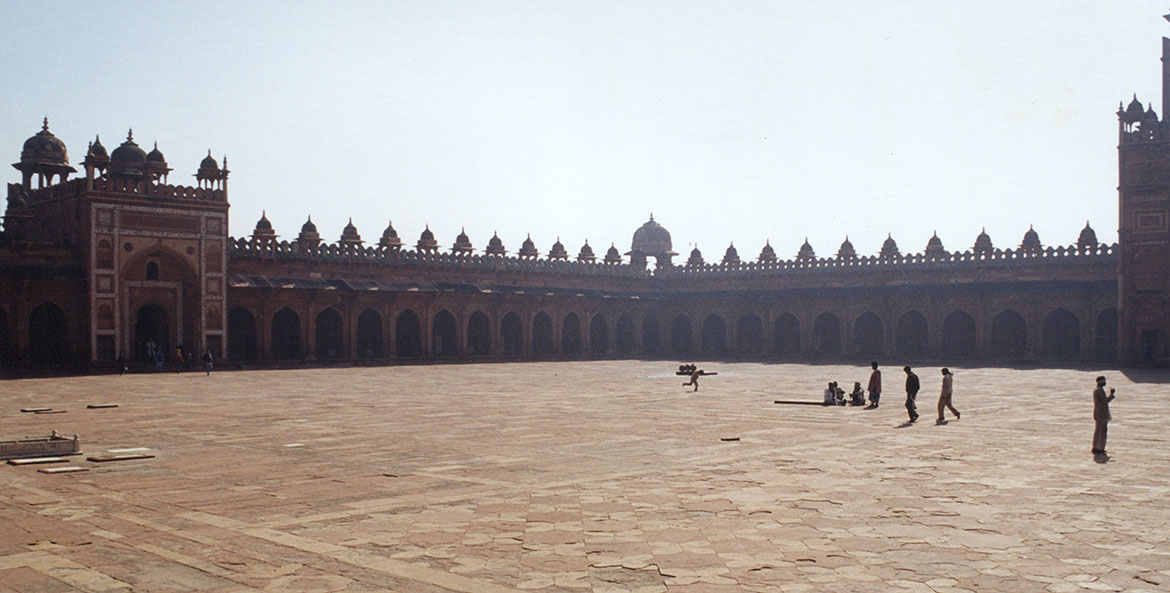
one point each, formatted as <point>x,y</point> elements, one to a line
<point>44,148</point>
<point>128,151</point>
<point>651,238</point>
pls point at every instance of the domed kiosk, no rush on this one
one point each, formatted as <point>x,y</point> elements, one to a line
<point>652,240</point>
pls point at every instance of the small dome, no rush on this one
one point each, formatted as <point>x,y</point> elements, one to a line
<point>1150,114</point>
<point>846,251</point>
<point>767,254</point>
<point>528,248</point>
<point>97,151</point>
<point>208,162</point>
<point>558,251</point>
<point>427,235</point>
<point>731,256</point>
<point>309,227</point>
<point>390,237</point>
<point>696,258</point>
<point>586,253</point>
<point>309,233</point>
<point>128,151</point>
<point>889,247</point>
<point>495,246</point>
<point>1135,108</point>
<point>983,243</point>
<point>1031,240</point>
<point>44,148</point>
<point>1088,237</point>
<point>651,238</point>
<point>612,255</point>
<point>263,223</point>
<point>156,156</point>
<point>934,247</point>
<point>806,251</point>
<point>462,243</point>
<point>426,240</point>
<point>350,234</point>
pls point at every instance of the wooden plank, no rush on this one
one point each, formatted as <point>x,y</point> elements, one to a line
<point>122,457</point>
<point>729,439</point>
<point>100,406</point>
<point>128,450</point>
<point>800,402</point>
<point>62,470</point>
<point>35,409</point>
<point>50,412</point>
<point>36,460</point>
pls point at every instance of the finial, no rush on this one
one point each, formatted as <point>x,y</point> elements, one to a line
<point>310,218</point>
<point>651,217</point>
<point>208,152</point>
<point>156,144</point>
<point>45,125</point>
<point>130,135</point>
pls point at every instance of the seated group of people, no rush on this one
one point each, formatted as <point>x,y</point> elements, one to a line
<point>835,396</point>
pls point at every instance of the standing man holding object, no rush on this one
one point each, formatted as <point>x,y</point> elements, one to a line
<point>1101,416</point>
<point>944,396</point>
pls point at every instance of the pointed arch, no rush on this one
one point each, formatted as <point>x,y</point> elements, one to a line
<point>444,335</point>
<point>286,335</point>
<point>479,334</point>
<point>911,338</point>
<point>827,335</point>
<point>786,335</point>
<point>408,335</point>
<point>242,334</point>
<point>542,335</point>
<point>369,334</point>
<point>749,335</point>
<point>714,335</point>
<point>329,335</point>
<point>512,334</point>
<point>1105,335</point>
<point>651,338</point>
<point>868,335</point>
<point>598,335</point>
<point>680,335</point>
<point>1009,335</point>
<point>571,335</point>
<point>624,335</point>
<point>958,335</point>
<point>1061,336</point>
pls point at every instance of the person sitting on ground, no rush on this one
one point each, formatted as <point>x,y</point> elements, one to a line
<point>839,393</point>
<point>831,394</point>
<point>857,398</point>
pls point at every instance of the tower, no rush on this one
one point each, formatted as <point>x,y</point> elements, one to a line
<point>1144,228</point>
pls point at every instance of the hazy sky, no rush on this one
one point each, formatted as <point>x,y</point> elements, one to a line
<point>730,121</point>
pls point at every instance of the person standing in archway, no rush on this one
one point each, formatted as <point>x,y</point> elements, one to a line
<point>207,359</point>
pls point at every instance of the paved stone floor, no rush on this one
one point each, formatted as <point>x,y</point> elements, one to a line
<point>591,476</point>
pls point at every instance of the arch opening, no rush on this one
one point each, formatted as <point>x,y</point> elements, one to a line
<point>542,335</point>
<point>571,335</point>
<point>911,338</point>
<point>241,334</point>
<point>369,334</point>
<point>286,335</point>
<point>786,336</point>
<point>1009,335</point>
<point>827,335</point>
<point>479,334</point>
<point>958,335</point>
<point>714,335</point>
<point>330,335</point>
<point>1061,336</point>
<point>680,335</point>
<point>444,335</point>
<point>408,335</point>
<point>868,335</point>
<point>624,335</point>
<point>598,335</point>
<point>512,335</point>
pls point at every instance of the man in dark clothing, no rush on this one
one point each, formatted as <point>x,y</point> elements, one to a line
<point>875,385</point>
<point>1101,416</point>
<point>911,393</point>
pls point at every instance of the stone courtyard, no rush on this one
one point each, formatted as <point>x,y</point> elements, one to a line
<point>587,476</point>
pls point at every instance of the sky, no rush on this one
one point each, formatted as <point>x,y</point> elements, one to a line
<point>730,122</point>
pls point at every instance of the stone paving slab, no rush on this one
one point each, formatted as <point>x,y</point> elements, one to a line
<point>589,476</point>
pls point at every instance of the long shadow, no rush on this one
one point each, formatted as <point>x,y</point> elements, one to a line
<point>1101,458</point>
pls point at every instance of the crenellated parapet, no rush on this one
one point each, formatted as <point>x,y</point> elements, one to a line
<point>1051,255</point>
<point>383,255</point>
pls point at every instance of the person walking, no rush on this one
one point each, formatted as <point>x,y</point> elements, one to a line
<point>207,359</point>
<point>875,385</point>
<point>912,387</point>
<point>1101,416</point>
<point>944,397</point>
